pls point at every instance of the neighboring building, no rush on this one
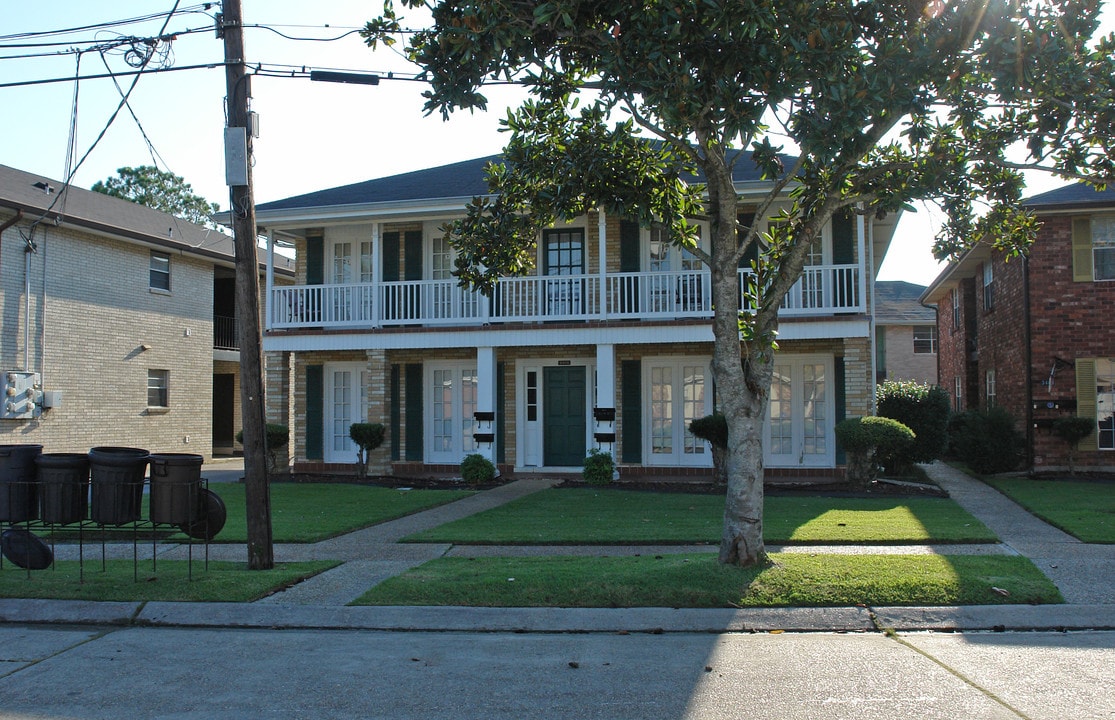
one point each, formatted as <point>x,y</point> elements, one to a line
<point>1036,334</point>
<point>118,319</point>
<point>905,334</point>
<point>608,345</point>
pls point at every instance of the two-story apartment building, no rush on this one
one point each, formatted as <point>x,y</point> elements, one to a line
<point>606,345</point>
<point>905,333</point>
<point>1035,334</point>
<point>117,323</point>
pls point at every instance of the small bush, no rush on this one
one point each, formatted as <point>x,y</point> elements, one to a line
<point>986,441</point>
<point>599,467</point>
<point>477,469</point>
<point>923,409</point>
<point>1072,430</point>
<point>277,436</point>
<point>713,429</point>
<point>872,441</point>
<point>368,437</point>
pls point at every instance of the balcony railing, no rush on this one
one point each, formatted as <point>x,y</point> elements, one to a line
<point>822,290</point>
<point>225,333</point>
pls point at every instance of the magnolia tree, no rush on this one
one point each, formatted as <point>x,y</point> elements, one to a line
<point>878,103</point>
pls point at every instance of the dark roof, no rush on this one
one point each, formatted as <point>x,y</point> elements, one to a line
<point>899,303</point>
<point>464,179</point>
<point>1078,195</point>
<point>34,195</point>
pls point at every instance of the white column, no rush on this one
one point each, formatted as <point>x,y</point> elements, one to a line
<point>269,279</point>
<point>484,429</point>
<point>602,255</point>
<point>866,263</point>
<point>604,412</point>
<point>377,268</point>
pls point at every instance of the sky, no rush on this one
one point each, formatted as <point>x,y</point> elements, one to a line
<point>312,135</point>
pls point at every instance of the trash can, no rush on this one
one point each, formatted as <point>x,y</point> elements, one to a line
<point>175,487</point>
<point>19,487</point>
<point>63,487</point>
<point>116,475</point>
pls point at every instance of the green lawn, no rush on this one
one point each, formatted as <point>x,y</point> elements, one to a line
<point>1085,510</point>
<point>310,512</point>
<point>610,516</point>
<point>698,580</point>
<point>222,582</point>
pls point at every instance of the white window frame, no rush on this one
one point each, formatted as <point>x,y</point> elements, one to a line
<point>462,403</point>
<point>1103,244</point>
<point>956,319</point>
<point>686,449</point>
<point>798,455</point>
<point>357,403</point>
<point>958,392</point>
<point>1105,403</point>
<point>988,286</point>
<point>158,381</point>
<point>989,388</point>
<point>162,259</point>
<point>932,339</point>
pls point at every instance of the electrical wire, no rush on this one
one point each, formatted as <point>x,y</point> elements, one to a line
<point>110,24</point>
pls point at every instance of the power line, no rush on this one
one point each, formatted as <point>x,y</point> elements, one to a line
<point>109,24</point>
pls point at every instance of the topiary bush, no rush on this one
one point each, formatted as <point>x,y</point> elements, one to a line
<point>869,442</point>
<point>599,467</point>
<point>923,409</point>
<point>1072,430</point>
<point>368,437</point>
<point>477,469</point>
<point>713,429</point>
<point>277,436</point>
<point>987,441</point>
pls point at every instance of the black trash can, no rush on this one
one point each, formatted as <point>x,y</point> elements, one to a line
<point>63,487</point>
<point>175,487</point>
<point>19,486</point>
<point>116,475</point>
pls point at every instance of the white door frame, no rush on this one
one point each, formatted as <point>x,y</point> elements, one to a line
<point>337,435</point>
<point>529,433</point>
<point>678,458</point>
<point>797,456</point>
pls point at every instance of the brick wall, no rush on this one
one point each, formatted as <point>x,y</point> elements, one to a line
<point>902,362</point>
<point>91,314</point>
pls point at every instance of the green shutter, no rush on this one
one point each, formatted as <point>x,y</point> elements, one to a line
<point>501,420</point>
<point>396,415</point>
<point>1082,250</point>
<point>631,407</point>
<point>843,238</point>
<point>315,424</point>
<point>315,260</point>
<point>628,246</point>
<point>390,244</point>
<point>1086,398</point>
<point>414,436</point>
<point>840,400</point>
<point>412,255</point>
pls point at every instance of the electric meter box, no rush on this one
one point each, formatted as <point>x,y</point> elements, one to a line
<point>21,395</point>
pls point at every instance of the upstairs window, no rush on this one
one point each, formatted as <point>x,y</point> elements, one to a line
<point>990,388</point>
<point>1103,247</point>
<point>925,340</point>
<point>158,388</point>
<point>988,287</point>
<point>956,309</point>
<point>160,271</point>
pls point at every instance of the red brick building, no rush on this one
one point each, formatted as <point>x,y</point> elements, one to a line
<point>1036,334</point>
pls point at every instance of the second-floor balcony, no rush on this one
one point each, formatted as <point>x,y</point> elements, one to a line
<point>822,290</point>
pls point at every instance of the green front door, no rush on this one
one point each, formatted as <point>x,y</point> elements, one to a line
<point>563,416</point>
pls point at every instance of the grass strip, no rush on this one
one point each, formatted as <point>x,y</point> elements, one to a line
<point>1085,510</point>
<point>699,581</point>
<point>170,581</point>
<point>611,516</point>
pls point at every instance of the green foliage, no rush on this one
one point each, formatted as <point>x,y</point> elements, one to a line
<point>277,436</point>
<point>165,191</point>
<point>477,469</point>
<point>873,441</point>
<point>923,409</point>
<point>599,467</point>
<point>988,441</point>
<point>368,437</point>
<point>713,429</point>
<point>1073,429</point>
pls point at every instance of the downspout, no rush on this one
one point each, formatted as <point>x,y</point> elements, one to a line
<point>866,236</point>
<point>1028,352</point>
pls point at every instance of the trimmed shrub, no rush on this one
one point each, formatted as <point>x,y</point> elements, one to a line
<point>713,429</point>
<point>872,441</point>
<point>368,437</point>
<point>1072,430</point>
<point>277,437</point>
<point>923,409</point>
<point>599,467</point>
<point>986,441</point>
<point>477,469</point>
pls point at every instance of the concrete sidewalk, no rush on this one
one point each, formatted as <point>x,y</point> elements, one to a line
<point>1085,574</point>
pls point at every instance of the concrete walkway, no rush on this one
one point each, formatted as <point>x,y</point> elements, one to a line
<point>1084,573</point>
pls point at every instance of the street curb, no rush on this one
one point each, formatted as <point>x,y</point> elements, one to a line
<point>561,620</point>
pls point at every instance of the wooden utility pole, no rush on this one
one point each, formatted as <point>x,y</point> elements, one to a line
<point>261,553</point>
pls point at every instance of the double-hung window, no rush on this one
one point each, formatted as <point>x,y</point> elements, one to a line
<point>925,339</point>
<point>160,271</point>
<point>988,287</point>
<point>158,388</point>
<point>956,309</point>
<point>1103,247</point>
